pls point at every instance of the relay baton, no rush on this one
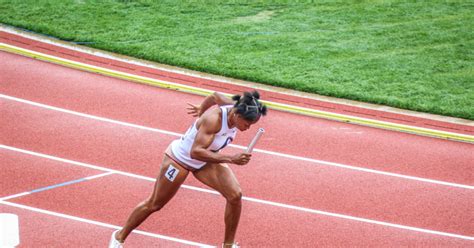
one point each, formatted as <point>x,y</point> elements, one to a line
<point>255,139</point>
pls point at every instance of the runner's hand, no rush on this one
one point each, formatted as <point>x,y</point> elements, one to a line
<point>241,158</point>
<point>194,110</point>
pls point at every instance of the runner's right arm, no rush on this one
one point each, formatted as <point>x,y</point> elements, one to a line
<point>209,126</point>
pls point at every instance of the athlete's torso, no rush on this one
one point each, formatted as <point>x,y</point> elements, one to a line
<point>181,148</point>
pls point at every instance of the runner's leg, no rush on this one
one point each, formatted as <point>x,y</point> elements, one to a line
<point>221,178</point>
<point>163,191</point>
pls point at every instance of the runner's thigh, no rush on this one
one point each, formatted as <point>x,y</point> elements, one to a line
<point>219,177</point>
<point>171,176</point>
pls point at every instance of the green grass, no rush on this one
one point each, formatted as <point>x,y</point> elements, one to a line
<point>416,55</point>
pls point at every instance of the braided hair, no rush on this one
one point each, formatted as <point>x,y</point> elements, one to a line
<point>248,106</point>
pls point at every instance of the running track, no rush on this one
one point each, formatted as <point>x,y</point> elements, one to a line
<point>98,141</point>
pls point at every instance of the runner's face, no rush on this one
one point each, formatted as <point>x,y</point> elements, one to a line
<point>243,124</point>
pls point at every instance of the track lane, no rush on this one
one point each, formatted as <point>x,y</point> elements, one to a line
<point>199,217</point>
<point>306,185</point>
<point>325,140</point>
<point>20,172</point>
<point>38,229</point>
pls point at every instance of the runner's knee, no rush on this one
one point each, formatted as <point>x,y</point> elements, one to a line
<point>153,206</point>
<point>234,197</point>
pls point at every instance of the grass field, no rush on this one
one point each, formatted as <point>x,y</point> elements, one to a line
<point>416,55</point>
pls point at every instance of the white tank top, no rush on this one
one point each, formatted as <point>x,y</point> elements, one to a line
<point>181,148</point>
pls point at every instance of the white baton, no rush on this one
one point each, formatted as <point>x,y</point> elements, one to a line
<point>255,139</point>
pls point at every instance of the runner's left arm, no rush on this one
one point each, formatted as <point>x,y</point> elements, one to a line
<point>215,98</point>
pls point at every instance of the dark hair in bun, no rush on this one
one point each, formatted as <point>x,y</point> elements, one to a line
<point>249,106</point>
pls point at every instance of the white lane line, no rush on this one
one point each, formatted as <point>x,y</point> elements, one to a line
<point>320,162</point>
<point>384,173</point>
<point>270,203</point>
<point>102,224</point>
<point>80,180</point>
<point>88,116</point>
<point>14,196</point>
<point>42,155</point>
<point>348,217</point>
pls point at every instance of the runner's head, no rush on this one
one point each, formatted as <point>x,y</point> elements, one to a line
<point>248,109</point>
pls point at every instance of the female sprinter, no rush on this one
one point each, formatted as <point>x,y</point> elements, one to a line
<point>197,152</point>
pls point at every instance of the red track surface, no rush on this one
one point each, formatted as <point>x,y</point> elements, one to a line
<point>196,216</point>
